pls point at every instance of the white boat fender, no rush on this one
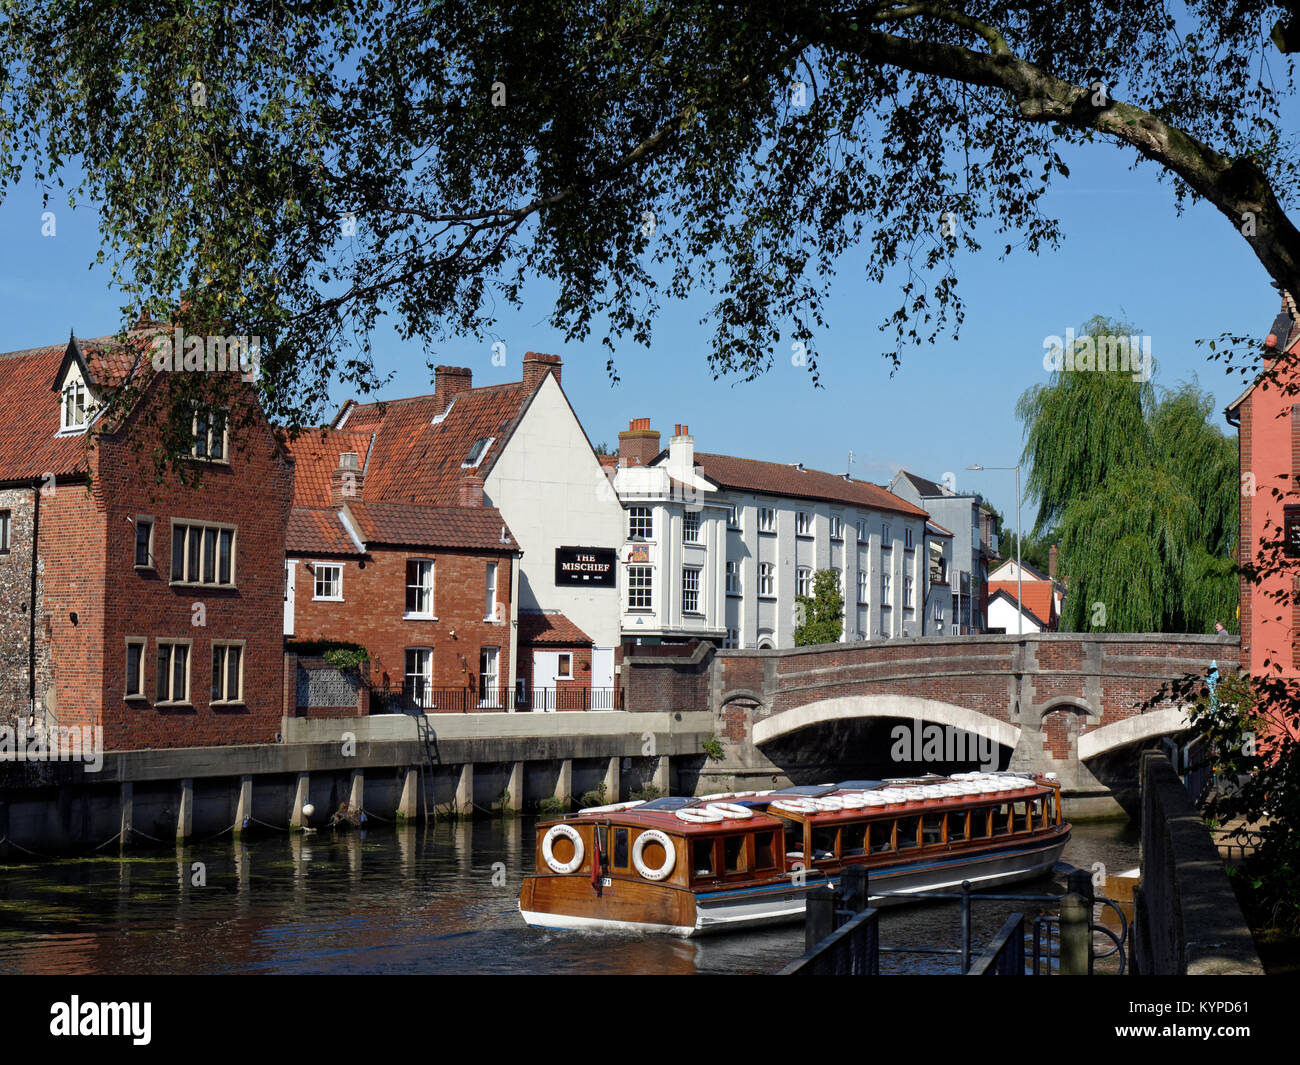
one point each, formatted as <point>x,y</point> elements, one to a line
<point>731,811</point>
<point>653,835</point>
<point>548,842</point>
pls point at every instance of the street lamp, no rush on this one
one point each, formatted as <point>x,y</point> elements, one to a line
<point>1020,603</point>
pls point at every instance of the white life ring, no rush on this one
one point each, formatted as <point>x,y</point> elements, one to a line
<point>653,835</point>
<point>854,801</point>
<point>570,833</point>
<point>794,806</point>
<point>731,811</point>
<point>613,807</point>
<point>828,804</point>
<point>699,815</point>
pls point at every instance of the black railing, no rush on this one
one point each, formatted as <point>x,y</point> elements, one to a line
<point>1005,956</point>
<point>853,949</point>
<point>423,698</point>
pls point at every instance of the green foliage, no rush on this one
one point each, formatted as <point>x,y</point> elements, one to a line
<point>647,793</point>
<point>337,652</point>
<point>713,748</point>
<point>595,797</point>
<point>550,806</point>
<point>346,658</point>
<point>821,615</point>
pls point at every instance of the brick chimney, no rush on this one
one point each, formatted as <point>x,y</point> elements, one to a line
<point>537,366</point>
<point>638,443</point>
<point>1051,562</point>
<point>448,383</point>
<point>346,480</point>
<point>471,490</point>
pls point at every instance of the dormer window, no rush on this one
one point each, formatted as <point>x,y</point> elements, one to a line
<point>476,452</point>
<point>209,436</point>
<point>75,402</point>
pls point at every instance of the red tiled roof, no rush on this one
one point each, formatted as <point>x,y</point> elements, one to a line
<point>780,479</point>
<point>538,628</point>
<point>318,531</point>
<point>480,528</point>
<point>316,456</point>
<point>1038,596</point>
<point>939,529</point>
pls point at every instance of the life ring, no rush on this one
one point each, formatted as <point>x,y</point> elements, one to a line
<point>699,815</point>
<point>653,835</point>
<point>828,804</point>
<point>794,806</point>
<point>731,811</point>
<point>570,833</point>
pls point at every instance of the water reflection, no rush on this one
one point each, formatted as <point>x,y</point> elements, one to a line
<point>393,900</point>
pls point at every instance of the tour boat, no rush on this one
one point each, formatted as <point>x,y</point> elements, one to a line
<point>689,866</point>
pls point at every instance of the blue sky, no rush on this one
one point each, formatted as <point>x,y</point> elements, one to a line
<point>1125,254</point>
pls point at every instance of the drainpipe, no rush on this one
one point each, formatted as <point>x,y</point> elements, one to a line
<point>31,641</point>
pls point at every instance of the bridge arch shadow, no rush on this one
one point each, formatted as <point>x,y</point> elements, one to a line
<point>905,707</point>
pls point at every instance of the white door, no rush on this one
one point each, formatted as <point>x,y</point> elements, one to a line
<point>290,575</point>
<point>602,678</point>
<point>546,668</point>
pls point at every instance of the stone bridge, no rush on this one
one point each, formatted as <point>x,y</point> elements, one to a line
<point>1067,703</point>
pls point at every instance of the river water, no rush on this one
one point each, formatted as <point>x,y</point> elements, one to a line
<point>389,900</point>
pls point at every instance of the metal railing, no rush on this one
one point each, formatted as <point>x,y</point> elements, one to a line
<point>1005,956</point>
<point>853,949</point>
<point>423,698</point>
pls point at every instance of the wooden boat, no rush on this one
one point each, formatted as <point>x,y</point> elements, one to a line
<point>688,866</point>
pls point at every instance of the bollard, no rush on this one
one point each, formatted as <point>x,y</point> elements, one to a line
<point>819,916</point>
<point>853,888</point>
<point>1076,935</point>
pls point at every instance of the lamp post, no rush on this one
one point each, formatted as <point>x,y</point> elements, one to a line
<point>1020,603</point>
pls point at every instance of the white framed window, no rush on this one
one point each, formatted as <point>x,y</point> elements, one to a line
<point>864,586</point>
<point>732,639</point>
<point>862,530</point>
<point>802,523</point>
<point>134,685</point>
<point>766,520</point>
<point>564,666</point>
<point>803,581</point>
<point>490,592</point>
<point>907,592</point>
<point>907,538</point>
<point>227,671</point>
<point>733,517</point>
<point>143,543</point>
<point>75,405</point>
<point>766,579</point>
<point>419,588</point>
<point>476,452</point>
<point>837,527</point>
<point>6,522</point>
<point>173,672</point>
<point>690,589</point>
<point>203,553</point>
<point>938,615</point>
<point>640,588</point>
<point>209,436</point>
<point>419,676</point>
<point>733,578</point>
<point>884,589</point>
<point>329,581</point>
<point>886,540</point>
<point>691,527</point>
<point>640,523</point>
<point>489,676</point>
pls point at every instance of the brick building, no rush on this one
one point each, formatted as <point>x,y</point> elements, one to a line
<point>146,607</point>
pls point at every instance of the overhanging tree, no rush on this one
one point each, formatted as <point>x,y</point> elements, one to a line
<point>820,616</point>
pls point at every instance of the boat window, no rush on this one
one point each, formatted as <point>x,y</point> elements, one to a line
<point>956,826</point>
<point>765,851</point>
<point>620,848</point>
<point>1002,819</point>
<point>1021,822</point>
<point>734,855</point>
<point>1052,812</point>
<point>979,823</point>
<point>882,836</point>
<point>931,828</point>
<point>793,839</point>
<point>823,842</point>
<point>908,827</point>
<point>1037,809</point>
<point>853,840</point>
<point>702,857</point>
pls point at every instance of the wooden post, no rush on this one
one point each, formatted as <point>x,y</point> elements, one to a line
<point>819,916</point>
<point>853,888</point>
<point>1076,936</point>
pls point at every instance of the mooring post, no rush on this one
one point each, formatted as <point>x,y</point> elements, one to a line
<point>965,927</point>
<point>853,888</point>
<point>1079,884</point>
<point>1076,935</point>
<point>819,916</point>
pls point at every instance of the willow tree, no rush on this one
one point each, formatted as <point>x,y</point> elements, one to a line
<point>294,170</point>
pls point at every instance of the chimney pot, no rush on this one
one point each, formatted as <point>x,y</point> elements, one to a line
<point>638,443</point>
<point>1051,562</point>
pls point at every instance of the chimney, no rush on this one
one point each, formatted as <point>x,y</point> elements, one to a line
<point>346,480</point>
<point>681,452</point>
<point>638,443</point>
<point>471,490</point>
<point>1051,562</point>
<point>537,366</point>
<point>448,383</point>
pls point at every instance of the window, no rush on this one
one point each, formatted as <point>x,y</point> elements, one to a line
<point>979,823</point>
<point>907,592</point>
<point>143,543</point>
<point>732,639</point>
<point>639,590</point>
<point>862,530</point>
<point>419,676</point>
<point>908,834</point>
<point>884,589</point>
<point>853,840</point>
<point>766,579</point>
<point>690,589</point>
<point>489,676</point>
<point>74,405</point>
<point>702,857</point>
<point>766,520</point>
<point>802,523</point>
<point>640,524</point>
<point>803,581</point>
<point>837,527</point>
<point>203,554</point>
<point>209,436</point>
<point>735,854</point>
<point>1291,530</point>
<point>691,527</point>
<point>134,687</point>
<point>765,850</point>
<point>733,518</point>
<point>621,850</point>
<point>1002,819</point>
<point>4,531</point>
<point>227,672</point>
<point>329,581</point>
<point>173,671</point>
<point>938,615</point>
<point>882,836</point>
<point>733,578</point>
<point>864,586</point>
<point>931,829</point>
<point>419,588</point>
<point>564,666</point>
<point>907,539</point>
<point>956,826</point>
<point>476,452</point>
<point>491,592</point>
<point>885,539</point>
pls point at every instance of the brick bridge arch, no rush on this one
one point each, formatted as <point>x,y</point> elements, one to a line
<point>1068,703</point>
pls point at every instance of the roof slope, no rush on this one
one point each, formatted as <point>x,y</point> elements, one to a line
<point>779,479</point>
<point>397,524</point>
<point>1038,596</point>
